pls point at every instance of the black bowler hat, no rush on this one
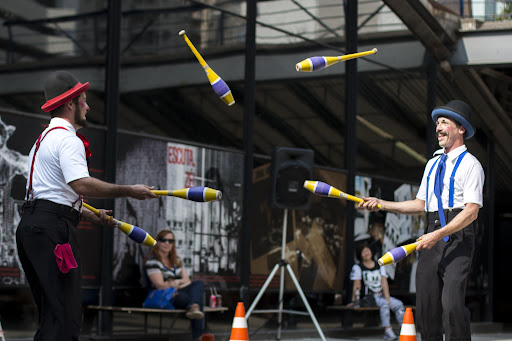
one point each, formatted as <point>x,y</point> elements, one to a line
<point>459,111</point>
<point>61,87</point>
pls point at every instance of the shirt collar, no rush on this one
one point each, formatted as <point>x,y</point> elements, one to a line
<point>60,122</point>
<point>453,154</point>
<point>438,152</point>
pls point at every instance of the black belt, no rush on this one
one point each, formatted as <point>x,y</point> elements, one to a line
<point>50,206</point>
<point>434,216</point>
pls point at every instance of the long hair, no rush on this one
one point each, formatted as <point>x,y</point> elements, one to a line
<point>173,256</point>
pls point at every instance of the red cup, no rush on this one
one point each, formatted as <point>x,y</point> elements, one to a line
<point>213,301</point>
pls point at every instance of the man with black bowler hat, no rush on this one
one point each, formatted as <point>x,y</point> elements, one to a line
<point>58,179</point>
<point>451,193</point>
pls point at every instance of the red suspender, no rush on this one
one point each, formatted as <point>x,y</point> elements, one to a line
<point>38,143</point>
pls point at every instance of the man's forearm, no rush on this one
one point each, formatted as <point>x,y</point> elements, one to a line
<point>461,220</point>
<point>94,188</point>
<point>411,207</point>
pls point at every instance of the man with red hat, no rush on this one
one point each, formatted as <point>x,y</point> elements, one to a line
<point>58,179</point>
<point>451,194</point>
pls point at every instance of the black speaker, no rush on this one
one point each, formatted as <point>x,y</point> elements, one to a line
<point>290,168</point>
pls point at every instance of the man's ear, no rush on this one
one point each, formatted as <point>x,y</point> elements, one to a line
<point>69,104</point>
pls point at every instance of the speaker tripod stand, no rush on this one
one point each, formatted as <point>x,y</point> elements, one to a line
<point>282,265</point>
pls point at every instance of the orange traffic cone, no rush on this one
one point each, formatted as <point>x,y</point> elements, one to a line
<point>239,331</point>
<point>408,331</point>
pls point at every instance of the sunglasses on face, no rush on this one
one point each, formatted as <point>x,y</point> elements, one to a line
<point>165,240</point>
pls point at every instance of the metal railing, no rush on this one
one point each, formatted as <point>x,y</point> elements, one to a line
<point>154,31</point>
<point>484,10</point>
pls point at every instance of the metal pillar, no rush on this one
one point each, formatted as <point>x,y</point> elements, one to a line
<point>490,181</point>
<point>249,104</point>
<point>350,128</point>
<point>431,104</point>
<point>111,116</point>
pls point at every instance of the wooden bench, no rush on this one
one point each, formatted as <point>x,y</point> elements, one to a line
<point>344,307</point>
<point>174,313</point>
<point>345,322</point>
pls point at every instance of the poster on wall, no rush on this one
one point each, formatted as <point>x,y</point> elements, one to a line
<point>13,174</point>
<point>206,233</point>
<point>18,133</point>
<point>315,240</point>
<point>383,231</point>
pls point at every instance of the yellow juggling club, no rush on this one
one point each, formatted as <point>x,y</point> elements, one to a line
<point>219,86</point>
<point>198,194</point>
<point>134,232</point>
<point>323,189</point>
<point>321,62</point>
<point>397,254</point>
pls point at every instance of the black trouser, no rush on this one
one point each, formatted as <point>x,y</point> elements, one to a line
<point>58,295</point>
<point>441,279</point>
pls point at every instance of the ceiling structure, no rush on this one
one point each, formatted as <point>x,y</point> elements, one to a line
<point>168,95</point>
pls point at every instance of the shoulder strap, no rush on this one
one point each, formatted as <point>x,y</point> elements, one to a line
<point>428,178</point>
<point>38,144</point>
<point>452,180</point>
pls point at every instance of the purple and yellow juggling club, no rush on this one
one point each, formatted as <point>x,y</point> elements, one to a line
<point>198,194</point>
<point>134,232</point>
<point>323,189</point>
<point>320,62</point>
<point>397,254</point>
<point>219,86</point>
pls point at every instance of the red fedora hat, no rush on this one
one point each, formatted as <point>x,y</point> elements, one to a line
<point>61,87</point>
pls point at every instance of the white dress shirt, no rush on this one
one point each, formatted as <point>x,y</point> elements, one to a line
<point>59,161</point>
<point>469,181</point>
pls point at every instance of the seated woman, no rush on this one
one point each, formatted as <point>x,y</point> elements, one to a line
<point>375,283</point>
<point>165,269</point>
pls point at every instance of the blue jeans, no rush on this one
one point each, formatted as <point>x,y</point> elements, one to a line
<point>192,293</point>
<point>396,306</point>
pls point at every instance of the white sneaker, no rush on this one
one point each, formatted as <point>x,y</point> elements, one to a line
<point>389,335</point>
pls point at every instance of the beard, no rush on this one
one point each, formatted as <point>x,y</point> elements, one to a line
<point>78,119</point>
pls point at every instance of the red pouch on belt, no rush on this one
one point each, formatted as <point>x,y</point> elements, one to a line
<point>65,259</point>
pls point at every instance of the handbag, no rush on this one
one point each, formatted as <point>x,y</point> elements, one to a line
<point>368,301</point>
<point>160,298</point>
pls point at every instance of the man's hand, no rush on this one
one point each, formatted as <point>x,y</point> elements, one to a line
<point>427,241</point>
<point>142,192</point>
<point>102,219</point>
<point>371,204</point>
